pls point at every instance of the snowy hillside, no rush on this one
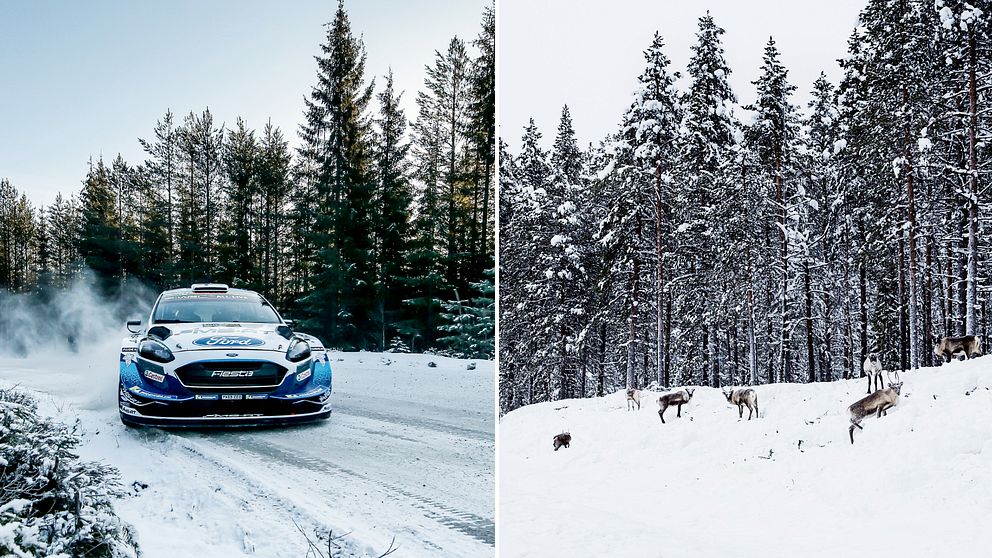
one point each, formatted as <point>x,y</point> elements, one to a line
<point>408,452</point>
<point>917,482</point>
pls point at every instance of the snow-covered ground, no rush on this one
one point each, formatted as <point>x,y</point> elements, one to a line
<point>917,482</point>
<point>408,452</point>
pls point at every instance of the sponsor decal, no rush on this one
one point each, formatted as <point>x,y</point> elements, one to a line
<point>228,341</point>
<point>128,410</point>
<point>232,373</point>
<point>206,295</point>
<point>308,393</point>
<point>154,376</point>
<point>303,375</point>
<point>152,395</point>
<point>257,396</point>
<point>129,349</point>
<point>207,397</point>
<point>232,397</point>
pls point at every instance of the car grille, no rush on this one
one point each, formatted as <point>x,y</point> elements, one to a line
<point>252,376</point>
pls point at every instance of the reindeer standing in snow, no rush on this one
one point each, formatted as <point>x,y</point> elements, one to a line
<point>633,398</point>
<point>742,397</point>
<point>873,369</point>
<point>879,402</point>
<point>679,398</point>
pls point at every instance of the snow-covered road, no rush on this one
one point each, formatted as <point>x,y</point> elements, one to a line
<point>408,452</point>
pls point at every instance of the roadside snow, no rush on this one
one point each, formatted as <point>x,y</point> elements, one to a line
<point>915,483</point>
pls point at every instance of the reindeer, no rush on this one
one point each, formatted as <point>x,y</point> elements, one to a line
<point>562,439</point>
<point>680,397</point>
<point>741,397</point>
<point>633,397</point>
<point>948,347</point>
<point>873,369</point>
<point>879,402</point>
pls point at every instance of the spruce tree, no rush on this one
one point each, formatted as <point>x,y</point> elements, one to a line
<point>336,158</point>
<point>100,231</point>
<point>393,199</point>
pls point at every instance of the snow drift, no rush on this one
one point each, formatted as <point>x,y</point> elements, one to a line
<point>789,483</point>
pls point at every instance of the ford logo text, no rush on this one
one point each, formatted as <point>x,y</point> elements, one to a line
<point>228,341</point>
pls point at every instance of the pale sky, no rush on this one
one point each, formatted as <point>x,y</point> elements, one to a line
<point>81,79</point>
<point>588,53</point>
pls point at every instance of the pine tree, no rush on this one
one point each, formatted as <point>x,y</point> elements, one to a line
<point>772,135</point>
<point>470,323</point>
<point>709,139</point>
<point>335,155</point>
<point>237,253</point>
<point>273,169</point>
<point>393,199</point>
<point>163,173</point>
<point>100,231</point>
<point>482,135</point>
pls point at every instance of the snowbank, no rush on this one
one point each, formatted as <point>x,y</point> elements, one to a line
<point>915,483</point>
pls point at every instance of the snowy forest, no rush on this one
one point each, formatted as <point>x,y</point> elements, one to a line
<point>376,232</point>
<point>717,240</point>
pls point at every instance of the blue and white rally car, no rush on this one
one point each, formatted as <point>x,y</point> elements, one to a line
<point>212,355</point>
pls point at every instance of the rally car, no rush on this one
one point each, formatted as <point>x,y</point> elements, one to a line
<point>211,355</point>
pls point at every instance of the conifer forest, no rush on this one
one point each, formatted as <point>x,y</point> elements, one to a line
<point>723,237</point>
<point>376,232</point>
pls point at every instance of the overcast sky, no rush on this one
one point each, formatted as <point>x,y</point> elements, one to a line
<point>588,53</point>
<point>81,79</point>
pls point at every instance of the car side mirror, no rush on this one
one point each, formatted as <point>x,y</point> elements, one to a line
<point>133,324</point>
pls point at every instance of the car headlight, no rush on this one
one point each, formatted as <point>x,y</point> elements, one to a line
<point>298,350</point>
<point>155,350</point>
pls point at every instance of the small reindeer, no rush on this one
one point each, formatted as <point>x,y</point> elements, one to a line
<point>742,397</point>
<point>949,347</point>
<point>633,398</point>
<point>877,403</point>
<point>562,439</point>
<point>873,369</point>
<point>679,398</point>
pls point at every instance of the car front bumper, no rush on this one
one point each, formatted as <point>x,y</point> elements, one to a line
<point>169,402</point>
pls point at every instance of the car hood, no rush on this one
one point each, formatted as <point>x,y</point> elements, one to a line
<point>211,336</point>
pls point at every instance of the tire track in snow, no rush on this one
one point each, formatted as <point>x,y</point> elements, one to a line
<point>466,523</point>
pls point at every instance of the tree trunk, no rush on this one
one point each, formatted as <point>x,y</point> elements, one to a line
<point>601,372</point>
<point>914,334</point>
<point>901,305</point>
<point>706,355</point>
<point>809,322</point>
<point>786,341</point>
<point>970,323</point>
<point>634,299</point>
<point>668,341</point>
<point>660,281</point>
<point>863,310</point>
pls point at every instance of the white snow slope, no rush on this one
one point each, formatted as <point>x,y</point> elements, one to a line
<point>408,452</point>
<point>917,482</point>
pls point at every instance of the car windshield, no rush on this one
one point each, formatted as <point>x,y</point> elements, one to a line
<point>214,308</point>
